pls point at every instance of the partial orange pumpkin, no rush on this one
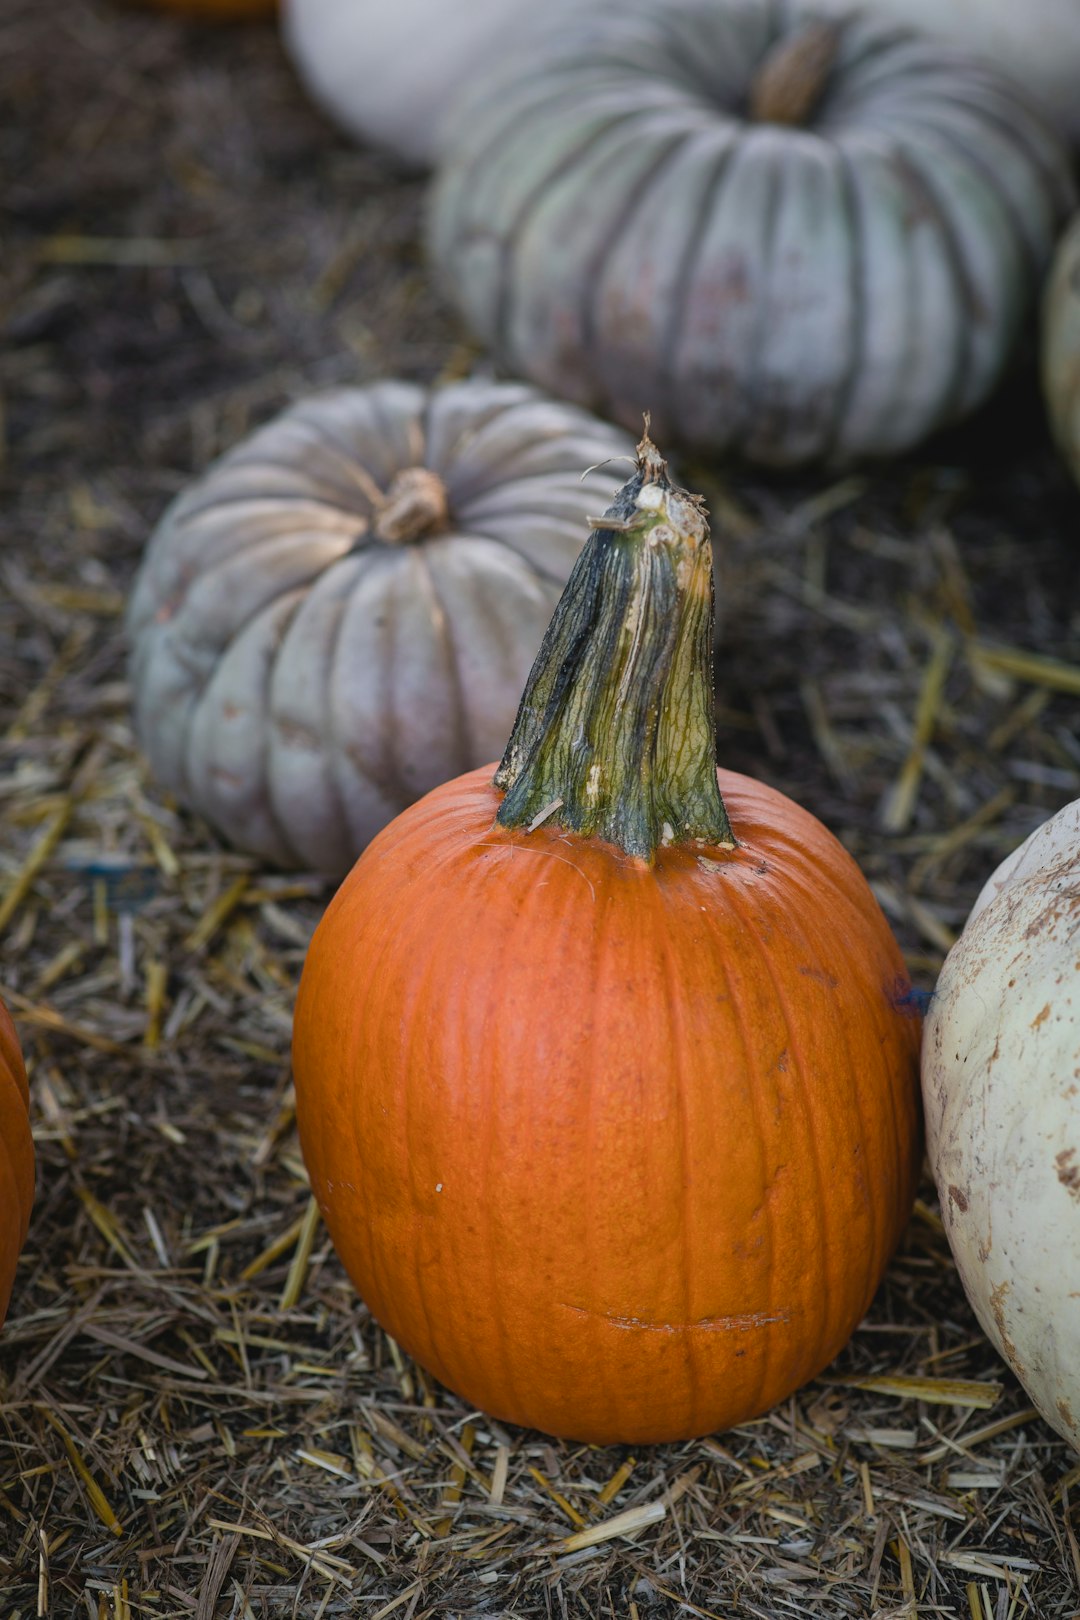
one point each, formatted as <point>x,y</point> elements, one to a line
<point>612,1111</point>
<point>214,10</point>
<point>16,1156</point>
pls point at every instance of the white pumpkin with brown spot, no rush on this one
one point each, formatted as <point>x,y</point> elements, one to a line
<point>1001,1087</point>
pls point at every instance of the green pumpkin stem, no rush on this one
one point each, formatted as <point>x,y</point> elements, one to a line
<point>614,737</point>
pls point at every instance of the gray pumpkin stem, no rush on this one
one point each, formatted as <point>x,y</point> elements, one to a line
<point>614,737</point>
<point>415,506</point>
<point>791,80</point>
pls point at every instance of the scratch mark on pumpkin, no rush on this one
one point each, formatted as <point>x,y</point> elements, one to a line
<point>744,1322</point>
<point>1040,1018</point>
<point>527,849</point>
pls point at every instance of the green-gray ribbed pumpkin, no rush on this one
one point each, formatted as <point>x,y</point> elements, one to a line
<point>1061,347</point>
<point>342,612</point>
<point>786,237</point>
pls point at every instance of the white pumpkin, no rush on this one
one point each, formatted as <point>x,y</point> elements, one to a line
<point>1037,41</point>
<point>1001,1088</point>
<point>387,73</point>
<point>341,614</point>
<point>1061,344</point>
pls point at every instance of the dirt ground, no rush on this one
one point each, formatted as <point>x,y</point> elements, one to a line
<point>197,1416</point>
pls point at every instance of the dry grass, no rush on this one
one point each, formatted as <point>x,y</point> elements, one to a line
<point>197,1417</point>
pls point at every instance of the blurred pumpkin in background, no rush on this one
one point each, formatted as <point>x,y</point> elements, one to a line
<point>341,613</point>
<point>213,10</point>
<point>1061,346</point>
<point>16,1156</point>
<point>784,237</point>
<point>387,73</point>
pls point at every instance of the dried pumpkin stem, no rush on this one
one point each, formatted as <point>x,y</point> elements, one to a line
<point>791,80</point>
<point>415,505</point>
<point>614,736</point>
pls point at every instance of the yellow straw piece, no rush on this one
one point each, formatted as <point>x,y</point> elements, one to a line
<point>294,1282</point>
<point>96,1496</point>
<point>623,1524</point>
<point>935,1391</point>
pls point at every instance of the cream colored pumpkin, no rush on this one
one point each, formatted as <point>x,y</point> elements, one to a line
<point>1061,344</point>
<point>1001,1089</point>
<point>387,73</point>
<point>1037,42</point>
<point>781,238</point>
<point>342,613</point>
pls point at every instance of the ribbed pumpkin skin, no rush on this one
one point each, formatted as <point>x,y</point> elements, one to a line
<point>298,681</point>
<point>616,1151</point>
<point>614,228</point>
<point>1061,347</point>
<point>1038,45</point>
<point>16,1156</point>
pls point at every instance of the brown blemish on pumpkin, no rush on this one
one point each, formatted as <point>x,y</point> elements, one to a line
<point>1040,1018</point>
<point>998,1296</point>
<point>1068,1173</point>
<point>959,1198</point>
<point>1066,1413</point>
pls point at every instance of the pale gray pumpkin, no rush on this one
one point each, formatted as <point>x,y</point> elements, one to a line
<point>788,237</point>
<point>388,73</point>
<point>343,611</point>
<point>1061,346</point>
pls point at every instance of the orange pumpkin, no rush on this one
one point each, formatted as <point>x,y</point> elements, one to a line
<point>608,1095</point>
<point>16,1156</point>
<point>216,10</point>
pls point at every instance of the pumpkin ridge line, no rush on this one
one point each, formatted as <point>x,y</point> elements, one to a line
<point>268,610</point>
<point>640,186</point>
<point>320,504</point>
<point>510,240</point>
<point>329,745</point>
<point>744,423</point>
<point>676,1028</point>
<point>244,552</point>
<point>872,1249</point>
<point>264,791</point>
<point>463,743</point>
<point>547,576</point>
<point>856,259</point>
<point>744,907</point>
<point>319,428</point>
<point>684,279</point>
<point>495,471</point>
<point>387,561</point>
<point>925,193</point>
<point>930,133</point>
